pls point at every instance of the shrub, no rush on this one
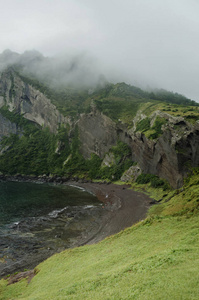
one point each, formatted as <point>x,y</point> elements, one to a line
<point>157,127</point>
<point>143,125</point>
<point>144,178</point>
<point>153,179</point>
<point>156,182</point>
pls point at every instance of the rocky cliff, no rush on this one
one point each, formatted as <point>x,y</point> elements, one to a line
<point>170,153</point>
<point>170,156</point>
<point>28,101</point>
<point>97,133</point>
<point>7,127</point>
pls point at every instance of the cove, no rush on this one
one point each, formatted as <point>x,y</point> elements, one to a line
<point>38,220</point>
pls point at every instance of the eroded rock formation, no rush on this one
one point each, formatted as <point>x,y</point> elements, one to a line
<point>169,156</point>
<point>28,101</point>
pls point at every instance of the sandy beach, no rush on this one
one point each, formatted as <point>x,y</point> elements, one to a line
<point>124,207</point>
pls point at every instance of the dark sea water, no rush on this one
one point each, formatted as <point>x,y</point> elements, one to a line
<point>37,220</point>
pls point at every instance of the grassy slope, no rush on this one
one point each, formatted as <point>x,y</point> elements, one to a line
<point>157,258</point>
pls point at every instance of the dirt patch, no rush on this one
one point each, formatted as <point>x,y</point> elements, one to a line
<point>17,277</point>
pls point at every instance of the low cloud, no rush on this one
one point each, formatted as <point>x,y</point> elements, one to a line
<point>141,42</point>
<point>79,71</point>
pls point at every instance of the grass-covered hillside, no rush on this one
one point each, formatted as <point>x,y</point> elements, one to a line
<point>118,101</point>
<point>157,258</point>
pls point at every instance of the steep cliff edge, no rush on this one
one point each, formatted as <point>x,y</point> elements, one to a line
<point>97,133</point>
<point>170,155</point>
<point>163,138</point>
<point>28,101</point>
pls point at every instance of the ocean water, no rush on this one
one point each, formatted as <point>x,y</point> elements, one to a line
<point>20,200</point>
<point>37,220</point>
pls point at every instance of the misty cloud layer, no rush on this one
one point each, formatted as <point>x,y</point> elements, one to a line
<point>147,43</point>
<point>79,71</point>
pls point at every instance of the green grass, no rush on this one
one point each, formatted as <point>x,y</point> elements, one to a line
<point>152,260</point>
<point>158,258</point>
<point>190,113</point>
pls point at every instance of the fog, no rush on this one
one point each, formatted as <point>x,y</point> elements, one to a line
<point>145,43</point>
<point>77,71</point>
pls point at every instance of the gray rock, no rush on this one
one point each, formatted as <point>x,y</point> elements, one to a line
<point>131,174</point>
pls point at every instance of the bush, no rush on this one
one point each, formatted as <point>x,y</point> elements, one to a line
<point>94,165</point>
<point>144,178</point>
<point>157,127</point>
<point>156,182</point>
<point>153,179</point>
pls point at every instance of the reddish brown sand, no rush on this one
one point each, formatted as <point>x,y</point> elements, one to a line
<point>124,208</point>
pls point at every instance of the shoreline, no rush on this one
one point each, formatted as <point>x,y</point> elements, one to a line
<point>122,207</point>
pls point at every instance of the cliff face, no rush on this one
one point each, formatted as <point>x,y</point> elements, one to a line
<point>97,133</point>
<point>169,156</point>
<point>25,99</point>
<point>172,154</point>
<point>7,127</point>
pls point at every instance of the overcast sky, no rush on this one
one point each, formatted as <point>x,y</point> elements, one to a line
<point>144,42</point>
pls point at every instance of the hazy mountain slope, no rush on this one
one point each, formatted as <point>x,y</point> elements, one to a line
<point>86,124</point>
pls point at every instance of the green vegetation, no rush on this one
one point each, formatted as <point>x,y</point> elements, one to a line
<point>118,109</point>
<point>34,152</point>
<point>143,125</point>
<point>123,161</point>
<point>151,132</point>
<point>154,259</point>
<point>154,180</point>
<point>157,128</point>
<point>171,97</point>
<point>18,119</point>
<point>120,101</point>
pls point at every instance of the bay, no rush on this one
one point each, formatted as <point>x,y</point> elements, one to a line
<point>38,220</point>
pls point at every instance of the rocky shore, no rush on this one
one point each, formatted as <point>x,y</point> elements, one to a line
<point>121,208</point>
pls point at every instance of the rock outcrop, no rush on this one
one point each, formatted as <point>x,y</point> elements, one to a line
<point>7,127</point>
<point>28,101</point>
<point>170,155</point>
<point>97,133</point>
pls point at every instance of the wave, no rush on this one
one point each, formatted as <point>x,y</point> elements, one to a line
<point>78,187</point>
<point>55,213</point>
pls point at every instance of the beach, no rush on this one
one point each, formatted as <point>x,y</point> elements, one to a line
<point>124,207</point>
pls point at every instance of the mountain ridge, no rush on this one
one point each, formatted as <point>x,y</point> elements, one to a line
<point>160,134</point>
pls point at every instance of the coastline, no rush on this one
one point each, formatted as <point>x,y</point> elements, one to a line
<point>122,207</point>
